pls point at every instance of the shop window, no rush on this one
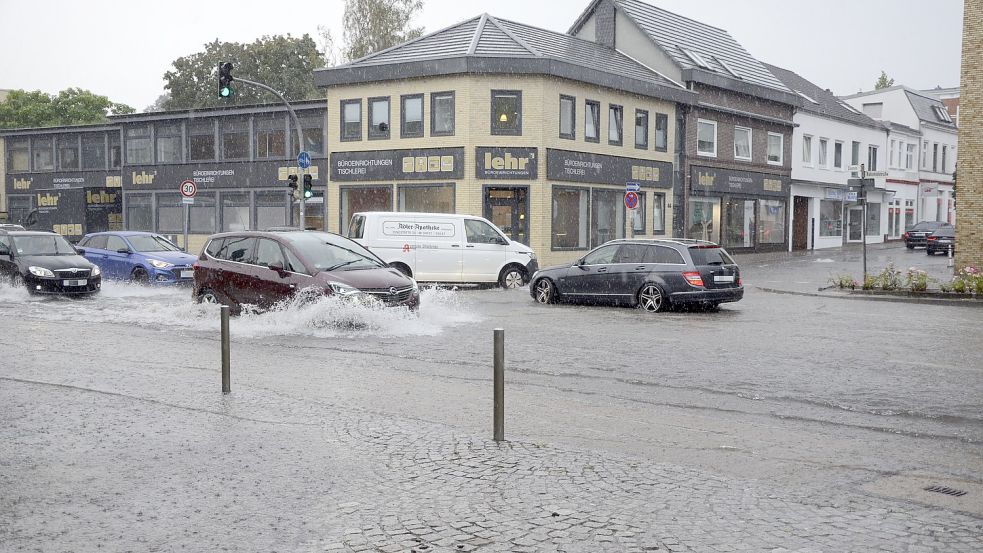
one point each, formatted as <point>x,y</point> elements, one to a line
<point>909,213</point>
<point>638,216</point>
<point>739,219</point>
<point>378,118</point>
<point>704,219</point>
<point>615,125</point>
<point>115,151</point>
<point>661,132</point>
<point>235,139</point>
<point>706,138</point>
<point>411,116</point>
<point>312,131</point>
<point>894,218</point>
<point>351,120</point>
<point>776,148</point>
<point>170,213</point>
<point>874,219</point>
<point>201,138</point>
<point>823,155</point>
<point>235,211</point>
<point>18,207</point>
<point>18,157</point>
<point>437,198</point>
<point>807,150</point>
<point>271,209</point>
<point>592,121</point>
<point>742,143</point>
<point>94,151</point>
<point>271,136</point>
<point>570,218</point>
<point>68,153</point>
<point>771,221</point>
<point>838,155</point>
<point>607,218</point>
<point>659,213</point>
<point>830,218</point>
<point>139,150</point>
<point>169,141</point>
<point>506,112</point>
<point>568,117</point>
<point>641,129</point>
<point>203,213</point>
<point>442,114</point>
<point>363,198</point>
<point>139,212</point>
<point>42,149</point>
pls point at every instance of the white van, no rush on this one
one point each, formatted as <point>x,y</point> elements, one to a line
<point>441,247</point>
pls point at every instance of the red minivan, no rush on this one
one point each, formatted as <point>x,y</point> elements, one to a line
<point>262,268</point>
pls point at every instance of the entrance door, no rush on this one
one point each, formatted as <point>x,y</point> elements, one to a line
<point>739,223</point>
<point>508,209</point>
<point>855,221</point>
<point>800,223</point>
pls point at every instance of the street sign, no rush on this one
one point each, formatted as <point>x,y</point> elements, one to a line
<point>876,174</point>
<point>304,160</point>
<point>853,168</point>
<point>190,200</point>
<point>856,184</point>
<point>632,187</point>
<point>189,189</point>
<point>631,200</point>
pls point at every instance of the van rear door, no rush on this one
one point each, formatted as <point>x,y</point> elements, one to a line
<point>439,246</point>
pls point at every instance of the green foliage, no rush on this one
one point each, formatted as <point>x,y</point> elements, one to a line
<point>844,281</point>
<point>968,280</point>
<point>72,106</point>
<point>883,82</point>
<point>374,25</point>
<point>889,278</point>
<point>916,280</point>
<point>283,63</point>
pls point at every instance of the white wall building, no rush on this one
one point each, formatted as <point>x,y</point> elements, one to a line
<point>829,137</point>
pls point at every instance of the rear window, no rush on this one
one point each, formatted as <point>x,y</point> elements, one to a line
<point>710,256</point>
<point>663,254</point>
<point>357,228</point>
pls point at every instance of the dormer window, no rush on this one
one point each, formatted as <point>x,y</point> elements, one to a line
<point>697,59</point>
<point>942,114</point>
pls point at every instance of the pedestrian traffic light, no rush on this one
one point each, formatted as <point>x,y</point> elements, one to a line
<point>225,79</point>
<point>308,187</point>
<point>292,182</point>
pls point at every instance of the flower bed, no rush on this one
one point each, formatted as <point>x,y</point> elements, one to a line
<point>968,282</point>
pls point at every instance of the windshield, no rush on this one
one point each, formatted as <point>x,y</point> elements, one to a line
<point>154,243</point>
<point>326,252</point>
<point>48,244</point>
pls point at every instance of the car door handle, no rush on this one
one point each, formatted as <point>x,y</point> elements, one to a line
<point>641,268</point>
<point>470,246</point>
<point>455,245</point>
<point>602,270</point>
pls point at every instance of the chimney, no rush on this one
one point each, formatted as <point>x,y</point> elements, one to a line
<point>604,18</point>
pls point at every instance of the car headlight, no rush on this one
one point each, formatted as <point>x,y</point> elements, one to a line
<point>416,286</point>
<point>532,255</point>
<point>41,272</point>
<point>343,290</point>
<point>160,264</point>
<point>96,271</point>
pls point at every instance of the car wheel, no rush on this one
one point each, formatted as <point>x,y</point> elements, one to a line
<point>651,298</point>
<point>512,277</point>
<point>207,296</point>
<point>910,246</point>
<point>140,276</point>
<point>16,281</point>
<point>545,291</point>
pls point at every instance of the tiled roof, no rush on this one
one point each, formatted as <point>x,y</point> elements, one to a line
<point>818,100</point>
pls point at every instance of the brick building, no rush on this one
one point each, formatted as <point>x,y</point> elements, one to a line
<point>969,188</point>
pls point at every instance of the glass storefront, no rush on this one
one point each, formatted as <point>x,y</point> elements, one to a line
<point>771,222</point>
<point>363,198</point>
<point>873,219</point>
<point>436,198</point>
<point>507,209</point>
<point>739,229</point>
<point>830,218</point>
<point>704,219</point>
<point>235,211</point>
<point>139,212</point>
<point>607,215</point>
<point>570,221</point>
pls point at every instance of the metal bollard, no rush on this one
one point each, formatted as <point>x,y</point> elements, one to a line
<point>950,255</point>
<point>499,417</point>
<point>226,376</point>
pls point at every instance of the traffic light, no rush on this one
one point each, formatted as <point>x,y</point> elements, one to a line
<point>225,79</point>
<point>308,185</point>
<point>292,182</point>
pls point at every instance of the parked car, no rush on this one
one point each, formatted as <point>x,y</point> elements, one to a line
<point>941,241</point>
<point>441,247</point>
<point>918,235</point>
<point>45,263</point>
<point>650,274</point>
<point>142,257</point>
<point>11,226</point>
<point>262,268</point>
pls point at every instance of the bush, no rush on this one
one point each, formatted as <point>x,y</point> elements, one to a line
<point>844,281</point>
<point>968,280</point>
<point>889,278</point>
<point>916,280</point>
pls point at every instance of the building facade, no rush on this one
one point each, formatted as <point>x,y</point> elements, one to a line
<point>969,226</point>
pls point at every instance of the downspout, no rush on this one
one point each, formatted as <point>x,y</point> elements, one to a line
<point>679,198</point>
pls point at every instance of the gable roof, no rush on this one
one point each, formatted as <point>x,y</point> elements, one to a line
<point>820,101</point>
<point>485,44</point>
<point>922,103</point>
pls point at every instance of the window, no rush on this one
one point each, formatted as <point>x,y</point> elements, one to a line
<point>19,206</point>
<point>874,111</point>
<point>235,138</point>
<point>238,249</point>
<point>662,254</point>
<point>942,114</point>
<point>891,161</point>
<point>728,68</point>
<point>411,116</point>
<point>97,242</point>
<point>139,212</point>
<point>68,153</point>
<point>570,218</point>
<point>170,213</point>
<point>697,58</point>
<point>607,217</point>
<point>641,129</point>
<point>18,158</point>
<point>830,218</point>
<point>139,150</point>
<point>806,150</point>
<point>203,213</point>
<point>704,219</point>
<point>312,131</point>
<point>568,117</point>
<point>271,209</point>
<point>823,156</point>
<point>480,232</point>
<point>771,221</point>
<point>871,158</point>
<point>235,211</point>
<point>742,143</point>
<point>638,216</point>
<point>351,120</point>
<point>379,118</point>
<point>855,154</point>
<point>201,140</point>
<point>602,256</point>
<point>355,199</point>
<point>838,155</point>
<point>169,139</point>
<point>706,138</point>
<point>661,132</point>
<point>909,162</point>
<point>115,152</point>
<point>592,121</point>
<point>909,213</point>
<point>659,213</point>
<point>873,219</point>
<point>271,136</point>
<point>631,254</point>
<point>42,150</point>
<point>506,112</point>
<point>268,253</point>
<point>776,147</point>
<point>94,151</point>
<point>442,113</point>
<point>615,122</point>
<point>945,150</point>
<point>739,223</point>
<point>115,243</point>
<point>436,198</point>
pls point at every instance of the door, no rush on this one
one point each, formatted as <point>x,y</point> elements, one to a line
<point>437,252</point>
<point>95,252</point>
<point>484,251</point>
<point>118,265</point>
<point>739,223</point>
<point>588,278</point>
<point>507,209</point>
<point>234,270</point>
<point>269,285</point>
<point>626,273</point>
<point>855,221</point>
<point>800,223</point>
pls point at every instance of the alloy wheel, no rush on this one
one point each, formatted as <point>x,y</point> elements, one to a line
<point>512,279</point>
<point>651,298</point>
<point>544,291</point>
<point>208,297</point>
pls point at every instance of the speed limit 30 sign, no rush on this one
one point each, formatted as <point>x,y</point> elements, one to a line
<point>189,189</point>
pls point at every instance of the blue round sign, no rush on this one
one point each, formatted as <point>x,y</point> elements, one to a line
<point>304,160</point>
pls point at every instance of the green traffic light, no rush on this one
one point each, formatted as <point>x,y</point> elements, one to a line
<point>308,194</point>
<point>226,91</point>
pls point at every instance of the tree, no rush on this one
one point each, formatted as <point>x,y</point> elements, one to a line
<point>883,82</point>
<point>283,63</point>
<point>72,106</point>
<point>158,104</point>
<point>374,25</point>
<point>329,46</point>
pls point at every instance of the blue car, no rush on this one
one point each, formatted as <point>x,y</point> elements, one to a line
<point>142,257</point>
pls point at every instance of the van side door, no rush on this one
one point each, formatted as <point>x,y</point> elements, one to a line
<point>484,252</point>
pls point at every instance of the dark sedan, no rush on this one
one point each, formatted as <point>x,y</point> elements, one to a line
<point>941,241</point>
<point>650,274</point>
<point>45,263</point>
<point>917,236</point>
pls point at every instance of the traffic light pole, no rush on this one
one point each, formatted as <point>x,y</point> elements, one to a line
<point>863,224</point>
<point>300,140</point>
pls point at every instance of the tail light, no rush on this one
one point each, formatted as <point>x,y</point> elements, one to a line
<point>739,283</point>
<point>195,265</point>
<point>930,238</point>
<point>693,278</point>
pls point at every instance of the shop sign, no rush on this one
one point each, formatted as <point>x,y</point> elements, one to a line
<point>73,212</point>
<point>835,194</point>
<point>206,176</point>
<point>61,181</point>
<point>389,165</point>
<point>564,165</point>
<point>705,179</point>
<point>506,163</point>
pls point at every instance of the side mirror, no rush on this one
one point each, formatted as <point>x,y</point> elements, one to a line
<point>80,251</point>
<point>278,268</point>
<point>502,241</point>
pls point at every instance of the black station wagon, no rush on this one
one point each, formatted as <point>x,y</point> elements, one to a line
<point>650,274</point>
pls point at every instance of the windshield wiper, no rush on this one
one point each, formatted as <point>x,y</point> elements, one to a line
<point>340,265</point>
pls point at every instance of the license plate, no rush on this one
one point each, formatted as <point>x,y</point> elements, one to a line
<point>80,282</point>
<point>187,274</point>
<point>723,278</point>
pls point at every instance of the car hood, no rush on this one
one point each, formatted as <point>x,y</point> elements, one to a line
<point>383,277</point>
<point>177,258</point>
<point>55,262</point>
<point>555,268</point>
<point>519,247</point>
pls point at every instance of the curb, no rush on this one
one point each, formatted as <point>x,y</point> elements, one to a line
<point>892,299</point>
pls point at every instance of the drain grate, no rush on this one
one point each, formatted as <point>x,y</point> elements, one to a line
<point>948,491</point>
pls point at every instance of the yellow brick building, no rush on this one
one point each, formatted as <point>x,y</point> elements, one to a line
<point>969,187</point>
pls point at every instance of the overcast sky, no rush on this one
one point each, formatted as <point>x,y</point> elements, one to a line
<point>121,49</point>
